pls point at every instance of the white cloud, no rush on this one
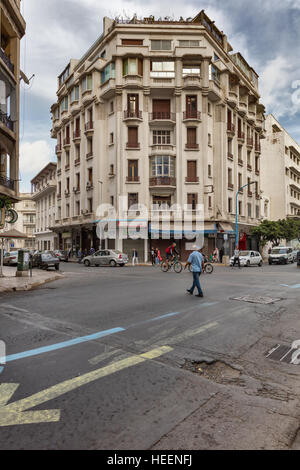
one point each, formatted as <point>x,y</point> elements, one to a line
<point>34,156</point>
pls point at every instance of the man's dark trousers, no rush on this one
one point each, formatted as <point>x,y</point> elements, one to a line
<point>236,260</point>
<point>196,278</point>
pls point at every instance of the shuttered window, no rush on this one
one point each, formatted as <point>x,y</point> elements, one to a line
<point>192,200</point>
<point>191,170</point>
<point>191,137</point>
<point>132,42</point>
<point>133,137</point>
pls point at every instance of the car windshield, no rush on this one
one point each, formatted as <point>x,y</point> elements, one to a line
<point>47,256</point>
<point>279,251</point>
<point>244,253</point>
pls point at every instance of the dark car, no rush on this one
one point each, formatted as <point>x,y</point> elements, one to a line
<point>45,261</point>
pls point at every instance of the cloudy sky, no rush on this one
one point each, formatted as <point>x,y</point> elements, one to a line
<point>267,33</point>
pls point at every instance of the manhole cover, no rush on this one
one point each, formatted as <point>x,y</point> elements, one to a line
<point>256,300</point>
<point>286,354</point>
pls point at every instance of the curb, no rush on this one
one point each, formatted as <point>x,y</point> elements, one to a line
<point>32,286</point>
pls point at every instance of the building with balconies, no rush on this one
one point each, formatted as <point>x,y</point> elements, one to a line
<point>12,29</point>
<point>25,224</point>
<point>44,196</point>
<point>280,171</point>
<point>164,113</point>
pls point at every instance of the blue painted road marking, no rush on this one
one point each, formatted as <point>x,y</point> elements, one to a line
<point>295,286</point>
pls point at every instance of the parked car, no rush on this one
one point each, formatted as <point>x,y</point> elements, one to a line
<point>45,261</point>
<point>106,258</point>
<point>61,255</point>
<point>11,258</point>
<point>281,255</point>
<point>249,258</point>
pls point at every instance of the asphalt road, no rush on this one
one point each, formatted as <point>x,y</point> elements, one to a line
<point>102,360</point>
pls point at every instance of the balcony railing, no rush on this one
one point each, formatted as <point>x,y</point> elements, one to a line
<point>6,60</point>
<point>77,134</point>
<point>250,193</point>
<point>162,116</point>
<point>133,145</point>
<point>132,179</point>
<point>240,162</point>
<point>58,148</point>
<point>250,141</point>
<point>249,167</point>
<point>230,186</point>
<point>162,181</point>
<point>241,135</point>
<point>89,126</point>
<point>192,179</point>
<point>192,115</point>
<point>7,121</point>
<point>230,127</point>
<point>192,146</point>
<point>230,156</point>
<point>132,114</point>
<point>8,183</point>
<point>67,141</point>
<point>257,147</point>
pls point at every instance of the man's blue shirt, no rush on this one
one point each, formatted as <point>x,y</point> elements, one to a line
<point>196,260</point>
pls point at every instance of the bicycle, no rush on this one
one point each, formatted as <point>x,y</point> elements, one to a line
<point>208,268</point>
<point>175,264</point>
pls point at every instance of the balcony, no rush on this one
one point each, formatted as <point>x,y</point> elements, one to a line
<point>240,162</point>
<point>215,91</point>
<point>7,183</point>
<point>250,142</point>
<point>249,167</point>
<point>257,196</point>
<point>58,149</point>
<point>162,116</point>
<point>67,142</point>
<point>133,146</point>
<point>7,61</point>
<point>192,116</point>
<point>251,117</point>
<point>77,134</point>
<point>192,82</point>
<point>242,108</point>
<point>132,81</point>
<point>131,115</point>
<point>257,147</point>
<point>67,167</point>
<point>162,181</point>
<point>230,186</point>
<point>230,156</point>
<point>232,98</point>
<point>241,136</point>
<point>230,129</point>
<point>7,121</point>
<point>77,162</point>
<point>192,179</point>
<point>89,127</point>
<point>132,179</point>
<point>191,146</point>
<point>89,155</point>
<point>250,193</point>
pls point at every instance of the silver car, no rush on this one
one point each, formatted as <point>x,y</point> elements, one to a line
<point>111,258</point>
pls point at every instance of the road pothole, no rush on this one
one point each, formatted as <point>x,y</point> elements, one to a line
<point>215,371</point>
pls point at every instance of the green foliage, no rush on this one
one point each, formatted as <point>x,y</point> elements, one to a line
<point>5,202</point>
<point>274,231</point>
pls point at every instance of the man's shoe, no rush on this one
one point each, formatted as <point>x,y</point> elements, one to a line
<point>200,295</point>
<point>188,290</point>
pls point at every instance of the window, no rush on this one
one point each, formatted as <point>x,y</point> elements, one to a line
<point>90,205</point>
<point>209,108</point>
<point>64,104</point>
<point>240,180</point>
<point>209,171</point>
<point>133,170</point>
<point>209,139</point>
<point>161,109</point>
<point>87,83</point>
<point>161,137</point>
<point>187,43</point>
<point>132,66</point>
<point>132,137</point>
<point>107,73</point>
<point>161,45</point>
<point>111,107</point>
<point>249,207</point>
<point>163,166</point>
<point>209,202</point>
<point>132,42</point>
<point>90,175</point>
<point>111,138</point>
<point>192,200</point>
<point>191,106</point>
<point>133,199</point>
<point>192,171</point>
<point>75,94</point>
<point>78,181</point>
<point>68,185</point>
<point>230,177</point>
<point>132,105</point>
<point>214,74</point>
<point>230,205</point>
<point>162,69</point>
<point>68,210</point>
<point>161,203</point>
<point>192,138</point>
<point>111,170</point>
<point>77,207</point>
<point>191,70</point>
<point>240,208</point>
<point>112,200</point>
<point>257,212</point>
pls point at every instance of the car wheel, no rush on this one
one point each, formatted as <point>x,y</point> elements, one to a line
<point>122,265</point>
<point>57,267</point>
<point>248,264</point>
<point>112,263</point>
<point>87,263</point>
<point>260,264</point>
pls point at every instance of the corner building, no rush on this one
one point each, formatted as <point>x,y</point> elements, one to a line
<point>164,113</point>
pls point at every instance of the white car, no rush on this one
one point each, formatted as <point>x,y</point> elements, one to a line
<point>249,258</point>
<point>281,255</point>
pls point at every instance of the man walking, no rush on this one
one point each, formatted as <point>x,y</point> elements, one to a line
<point>196,260</point>
<point>236,257</point>
<point>135,257</point>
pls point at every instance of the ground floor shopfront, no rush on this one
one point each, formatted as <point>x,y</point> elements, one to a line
<point>46,241</point>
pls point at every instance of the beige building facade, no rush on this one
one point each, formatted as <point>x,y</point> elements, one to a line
<point>25,224</point>
<point>161,113</point>
<point>44,196</point>
<point>280,171</point>
<point>12,29</point>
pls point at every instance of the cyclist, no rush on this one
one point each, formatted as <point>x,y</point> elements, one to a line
<point>171,252</point>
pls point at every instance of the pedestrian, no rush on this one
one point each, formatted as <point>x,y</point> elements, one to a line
<point>158,256</point>
<point>236,257</point>
<point>92,251</point>
<point>216,255</point>
<point>153,256</point>
<point>79,256</point>
<point>221,255</point>
<point>135,257</point>
<point>196,260</point>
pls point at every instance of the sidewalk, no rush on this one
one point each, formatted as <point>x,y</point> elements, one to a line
<point>11,283</point>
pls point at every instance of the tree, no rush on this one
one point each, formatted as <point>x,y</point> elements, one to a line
<point>269,231</point>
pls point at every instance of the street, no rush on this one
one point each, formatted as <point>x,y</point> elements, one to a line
<point>124,358</point>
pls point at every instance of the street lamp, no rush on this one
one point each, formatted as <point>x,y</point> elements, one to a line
<point>236,211</point>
